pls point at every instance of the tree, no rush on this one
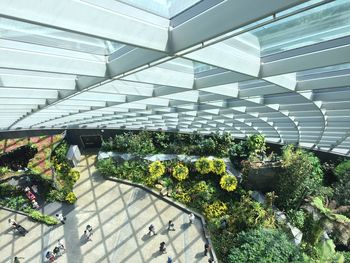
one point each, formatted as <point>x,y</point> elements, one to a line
<point>264,246</point>
<point>302,176</point>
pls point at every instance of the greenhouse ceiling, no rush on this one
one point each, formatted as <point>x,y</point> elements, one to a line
<point>279,68</point>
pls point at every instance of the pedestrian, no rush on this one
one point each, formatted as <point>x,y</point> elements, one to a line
<point>13,223</point>
<point>191,218</point>
<point>50,256</point>
<point>60,244</point>
<point>171,225</point>
<point>211,260</point>
<point>206,248</point>
<point>152,229</point>
<point>61,218</point>
<point>170,260</point>
<point>57,252</point>
<point>162,247</point>
<point>16,259</point>
<point>35,204</point>
<point>88,232</point>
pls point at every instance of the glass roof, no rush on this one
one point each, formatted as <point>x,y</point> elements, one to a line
<point>281,69</point>
<point>326,22</point>
<point>165,8</point>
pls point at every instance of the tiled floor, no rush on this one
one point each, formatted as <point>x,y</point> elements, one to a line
<point>120,216</point>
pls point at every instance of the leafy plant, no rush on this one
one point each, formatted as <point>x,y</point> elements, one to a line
<point>342,171</point>
<point>256,144</point>
<point>4,170</point>
<point>297,218</point>
<point>204,165</point>
<point>265,246</point>
<point>37,216</point>
<point>180,172</point>
<point>71,198</point>
<point>156,169</point>
<point>219,166</point>
<point>302,176</point>
<point>228,182</point>
<point>215,210</point>
<point>106,167</point>
<point>56,195</point>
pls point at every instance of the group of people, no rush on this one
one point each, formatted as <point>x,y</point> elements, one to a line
<point>32,196</point>
<point>171,227</point>
<point>51,256</point>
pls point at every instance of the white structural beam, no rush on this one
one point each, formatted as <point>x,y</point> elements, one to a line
<point>224,17</point>
<point>85,18</point>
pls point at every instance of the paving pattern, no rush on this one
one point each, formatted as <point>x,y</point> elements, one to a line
<point>120,216</point>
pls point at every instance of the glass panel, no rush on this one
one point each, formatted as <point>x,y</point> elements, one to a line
<point>35,34</point>
<point>326,22</point>
<point>165,8</point>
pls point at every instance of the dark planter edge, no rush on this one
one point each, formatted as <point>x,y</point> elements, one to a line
<point>14,211</point>
<point>173,203</point>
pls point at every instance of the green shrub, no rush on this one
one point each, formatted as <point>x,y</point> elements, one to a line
<point>4,170</point>
<point>37,216</point>
<point>56,195</point>
<point>156,169</point>
<point>342,171</point>
<point>228,182</point>
<point>256,144</point>
<point>265,246</point>
<point>180,172</point>
<point>71,198</point>
<point>8,190</point>
<point>302,176</point>
<point>297,218</point>
<point>204,165</point>
<point>106,167</point>
<point>249,214</point>
<point>219,166</point>
<point>215,210</point>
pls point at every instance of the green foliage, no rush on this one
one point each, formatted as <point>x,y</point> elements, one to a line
<point>228,182</point>
<point>297,218</point>
<point>156,169</point>
<point>256,144</point>
<point>56,195</point>
<point>61,152</point>
<point>4,170</point>
<point>181,195</point>
<point>215,209</point>
<point>219,166</point>
<point>180,172</point>
<point>202,192</point>
<point>71,198</point>
<point>342,186</point>
<point>15,202</point>
<point>37,216</point>
<point>326,253</point>
<point>263,246</point>
<point>248,214</point>
<point>342,171</point>
<point>204,165</point>
<point>106,167</point>
<point>8,190</point>
<point>302,176</point>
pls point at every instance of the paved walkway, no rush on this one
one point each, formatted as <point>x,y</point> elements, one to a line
<point>120,216</point>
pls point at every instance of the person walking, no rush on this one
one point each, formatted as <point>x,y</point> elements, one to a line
<point>211,260</point>
<point>206,249</point>
<point>61,218</point>
<point>61,245</point>
<point>16,259</point>
<point>162,247</point>
<point>171,225</point>
<point>57,252</point>
<point>191,218</point>
<point>88,232</point>
<point>50,256</point>
<point>170,260</point>
<point>152,229</point>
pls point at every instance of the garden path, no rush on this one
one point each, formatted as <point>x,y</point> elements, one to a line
<point>120,216</point>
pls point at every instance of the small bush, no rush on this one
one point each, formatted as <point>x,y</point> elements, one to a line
<point>204,165</point>
<point>4,170</point>
<point>180,172</point>
<point>182,197</point>
<point>156,169</point>
<point>342,171</point>
<point>228,182</point>
<point>215,210</point>
<point>219,166</point>
<point>106,167</point>
<point>37,216</point>
<point>71,198</point>
<point>55,195</point>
